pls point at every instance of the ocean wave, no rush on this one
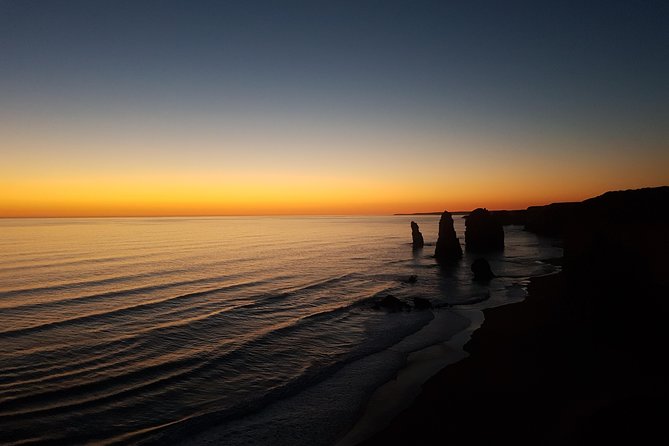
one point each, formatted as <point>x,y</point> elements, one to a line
<point>124,310</point>
<point>98,392</point>
<point>77,397</point>
<point>67,286</point>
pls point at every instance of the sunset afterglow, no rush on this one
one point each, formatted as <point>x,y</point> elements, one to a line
<point>214,114</point>
<point>333,223</point>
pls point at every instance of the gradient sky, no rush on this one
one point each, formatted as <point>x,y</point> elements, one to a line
<point>114,107</point>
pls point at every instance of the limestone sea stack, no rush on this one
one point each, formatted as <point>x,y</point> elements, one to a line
<point>483,232</point>
<point>448,246</point>
<point>418,241</point>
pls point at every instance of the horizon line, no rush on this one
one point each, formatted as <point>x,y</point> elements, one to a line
<point>247,215</point>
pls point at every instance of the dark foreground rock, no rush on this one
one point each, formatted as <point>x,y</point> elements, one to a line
<point>411,279</point>
<point>483,232</point>
<point>448,249</point>
<point>417,237</point>
<point>482,271</point>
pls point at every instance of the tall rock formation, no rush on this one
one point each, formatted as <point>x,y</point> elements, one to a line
<point>483,232</point>
<point>418,241</point>
<point>448,246</point>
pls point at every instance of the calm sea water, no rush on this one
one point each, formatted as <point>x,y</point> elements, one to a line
<point>153,329</point>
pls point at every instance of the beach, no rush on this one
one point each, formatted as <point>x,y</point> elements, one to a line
<point>536,375</point>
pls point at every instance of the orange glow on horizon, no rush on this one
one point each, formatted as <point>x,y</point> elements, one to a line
<point>72,175</point>
<point>300,196</point>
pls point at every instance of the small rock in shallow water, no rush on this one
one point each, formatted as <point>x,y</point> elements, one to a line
<point>420,303</point>
<point>411,279</point>
<point>482,271</point>
<point>391,303</point>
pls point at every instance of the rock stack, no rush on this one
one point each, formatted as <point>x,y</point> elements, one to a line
<point>448,246</point>
<point>483,232</point>
<point>418,241</point>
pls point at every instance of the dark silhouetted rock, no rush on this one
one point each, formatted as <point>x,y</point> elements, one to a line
<point>615,245</point>
<point>551,219</point>
<point>391,303</point>
<point>411,279</point>
<point>615,249</point>
<point>418,241</point>
<point>448,246</point>
<point>482,271</point>
<point>483,232</point>
<point>420,303</point>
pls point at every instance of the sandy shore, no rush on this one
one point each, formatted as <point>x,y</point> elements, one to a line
<point>396,395</point>
<point>536,375</point>
<point>322,413</point>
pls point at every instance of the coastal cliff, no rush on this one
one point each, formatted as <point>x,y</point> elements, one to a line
<point>581,360</point>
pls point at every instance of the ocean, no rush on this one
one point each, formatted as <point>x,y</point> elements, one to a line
<point>155,330</point>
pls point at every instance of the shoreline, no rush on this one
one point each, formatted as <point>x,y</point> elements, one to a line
<point>396,395</point>
<point>537,375</point>
<point>457,391</point>
<point>365,374</point>
<point>391,400</point>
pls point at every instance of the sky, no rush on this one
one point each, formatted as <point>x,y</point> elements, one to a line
<point>116,107</point>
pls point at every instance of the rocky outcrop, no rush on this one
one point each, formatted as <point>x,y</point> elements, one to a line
<point>411,279</point>
<point>418,241</point>
<point>392,304</point>
<point>482,271</point>
<point>483,232</point>
<point>448,248</point>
